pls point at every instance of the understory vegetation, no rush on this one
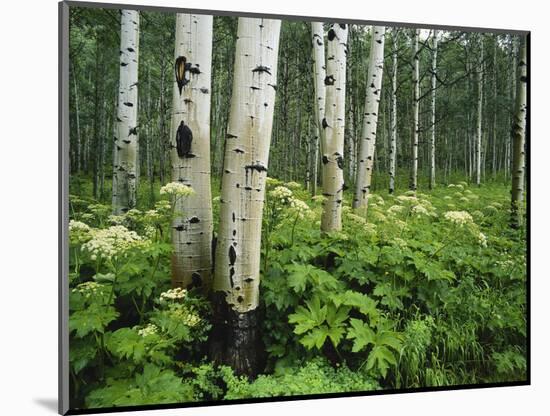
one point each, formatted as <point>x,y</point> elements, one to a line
<point>426,290</point>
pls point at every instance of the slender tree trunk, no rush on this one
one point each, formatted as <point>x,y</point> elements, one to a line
<point>125,157</point>
<point>434,85</point>
<point>236,338</point>
<point>479,113</point>
<point>162,127</point>
<point>518,137</point>
<point>319,74</point>
<point>334,126</point>
<point>78,148</point>
<point>190,151</point>
<point>393,146</point>
<point>416,126</point>
<point>370,120</point>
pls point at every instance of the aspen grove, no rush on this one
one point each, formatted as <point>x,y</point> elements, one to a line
<point>264,207</point>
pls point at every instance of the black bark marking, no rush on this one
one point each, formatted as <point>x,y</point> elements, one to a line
<point>130,49</point>
<point>231,274</point>
<point>342,25</point>
<point>194,220</point>
<point>257,167</point>
<point>331,34</point>
<point>233,216</point>
<point>340,162</point>
<point>180,68</point>
<point>232,255</point>
<point>324,123</point>
<point>179,228</point>
<point>261,68</point>
<point>128,104</point>
<point>133,130</point>
<point>196,280</point>
<point>238,150</point>
<point>325,159</point>
<point>184,137</point>
<point>127,141</point>
<point>329,80</point>
<point>230,136</point>
<point>123,64</point>
<point>204,90</point>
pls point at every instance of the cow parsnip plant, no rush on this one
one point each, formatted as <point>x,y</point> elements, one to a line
<point>424,290</point>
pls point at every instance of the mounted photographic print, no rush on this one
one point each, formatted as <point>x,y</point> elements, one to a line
<point>260,207</point>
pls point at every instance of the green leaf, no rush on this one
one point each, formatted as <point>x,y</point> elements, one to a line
<point>361,333</point>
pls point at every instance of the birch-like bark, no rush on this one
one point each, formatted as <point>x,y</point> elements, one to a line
<point>125,148</point>
<point>77,153</point>
<point>237,265</point>
<point>416,126</point>
<point>334,126</point>
<point>434,85</point>
<point>319,73</point>
<point>367,144</point>
<point>393,145</point>
<point>479,113</point>
<point>192,224</point>
<point>518,137</point>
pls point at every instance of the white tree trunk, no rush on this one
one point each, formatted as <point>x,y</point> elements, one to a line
<point>393,146</point>
<point>319,73</point>
<point>416,126</point>
<point>237,265</point>
<point>367,144</point>
<point>479,113</point>
<point>125,146</point>
<point>518,136</point>
<point>192,225</point>
<point>334,127</point>
<point>434,85</point>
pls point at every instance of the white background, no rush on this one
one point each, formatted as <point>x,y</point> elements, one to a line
<point>28,207</point>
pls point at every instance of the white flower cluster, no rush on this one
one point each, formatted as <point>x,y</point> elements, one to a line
<point>375,199</point>
<point>299,207</point>
<point>402,199</point>
<point>173,294</point>
<point>150,329</point>
<point>87,288</point>
<point>79,232</point>
<point>77,226</point>
<point>459,186</point>
<point>318,198</point>
<point>182,313</point>
<point>112,242</point>
<point>459,218</point>
<point>419,210</point>
<point>116,219</point>
<point>396,209</point>
<point>280,192</point>
<point>399,242</point>
<point>176,189</point>
<point>356,218</point>
<point>482,239</point>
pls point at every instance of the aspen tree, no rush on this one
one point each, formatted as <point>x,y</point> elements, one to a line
<point>393,134</point>
<point>518,136</point>
<point>319,73</point>
<point>416,125</point>
<point>192,224</point>
<point>367,144</point>
<point>333,125</point>
<point>434,85</point>
<point>479,112</point>
<point>125,144</point>
<point>237,267</point>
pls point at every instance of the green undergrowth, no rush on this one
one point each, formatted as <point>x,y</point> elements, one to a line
<point>419,290</point>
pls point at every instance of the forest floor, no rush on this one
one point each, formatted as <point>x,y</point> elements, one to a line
<point>423,290</point>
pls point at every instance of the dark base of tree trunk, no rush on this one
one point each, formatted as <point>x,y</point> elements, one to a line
<point>235,339</point>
